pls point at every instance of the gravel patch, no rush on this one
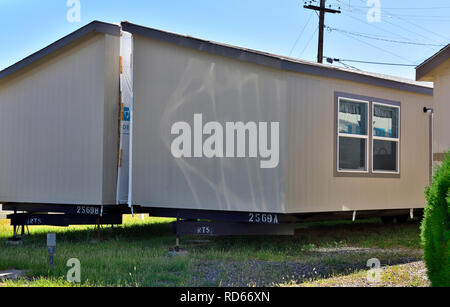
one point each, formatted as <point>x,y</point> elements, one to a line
<point>359,250</point>
<point>319,264</point>
<point>405,275</point>
<point>11,274</point>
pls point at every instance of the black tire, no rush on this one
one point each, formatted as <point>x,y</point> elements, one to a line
<point>387,220</point>
<point>402,219</point>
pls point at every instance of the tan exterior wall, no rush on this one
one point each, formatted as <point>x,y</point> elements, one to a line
<point>442,110</point>
<point>58,126</point>
<point>311,182</point>
<point>172,83</point>
<point>440,75</point>
<point>111,112</point>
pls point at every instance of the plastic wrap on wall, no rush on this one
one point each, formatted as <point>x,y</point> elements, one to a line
<point>208,133</point>
<point>126,90</point>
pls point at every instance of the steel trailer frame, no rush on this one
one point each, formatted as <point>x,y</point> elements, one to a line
<point>188,221</point>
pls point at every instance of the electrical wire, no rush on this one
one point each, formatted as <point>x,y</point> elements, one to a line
<point>413,24</point>
<point>382,29</point>
<point>349,66</point>
<point>301,33</point>
<point>309,41</point>
<point>374,63</point>
<point>376,47</point>
<point>382,39</point>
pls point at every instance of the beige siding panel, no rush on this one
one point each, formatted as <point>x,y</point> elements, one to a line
<point>311,184</point>
<point>172,84</point>
<point>52,128</point>
<point>111,119</point>
<point>442,111</point>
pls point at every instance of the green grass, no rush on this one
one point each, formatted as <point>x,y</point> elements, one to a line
<point>397,276</point>
<point>136,254</point>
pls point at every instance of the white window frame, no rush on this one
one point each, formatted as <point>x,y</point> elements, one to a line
<point>356,136</point>
<point>377,138</point>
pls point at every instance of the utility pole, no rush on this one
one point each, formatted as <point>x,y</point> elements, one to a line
<point>322,9</point>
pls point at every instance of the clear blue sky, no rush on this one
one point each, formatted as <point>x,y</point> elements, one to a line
<point>268,25</point>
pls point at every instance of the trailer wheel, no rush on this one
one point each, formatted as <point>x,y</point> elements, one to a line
<point>402,219</point>
<point>387,220</point>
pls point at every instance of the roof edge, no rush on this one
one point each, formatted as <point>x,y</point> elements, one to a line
<point>95,26</point>
<point>434,61</point>
<point>270,60</point>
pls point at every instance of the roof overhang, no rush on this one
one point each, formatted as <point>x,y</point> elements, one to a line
<point>233,52</point>
<point>275,61</point>
<point>93,27</point>
<point>424,70</point>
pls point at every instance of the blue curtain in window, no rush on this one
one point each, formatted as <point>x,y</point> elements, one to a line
<point>385,112</point>
<point>351,108</point>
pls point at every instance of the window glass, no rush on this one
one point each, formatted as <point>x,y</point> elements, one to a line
<point>353,117</point>
<point>385,121</point>
<point>384,155</point>
<point>352,154</point>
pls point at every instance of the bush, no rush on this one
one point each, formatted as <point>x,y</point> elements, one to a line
<point>435,229</point>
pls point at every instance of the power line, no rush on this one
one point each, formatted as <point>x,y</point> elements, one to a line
<point>301,33</point>
<point>393,24</point>
<point>422,16</point>
<point>354,8</point>
<point>413,24</point>
<point>399,8</point>
<point>369,36</point>
<point>423,29</point>
<point>309,41</point>
<point>388,15</point>
<point>419,8</point>
<point>402,8</point>
<point>369,62</point>
<point>387,31</point>
<point>376,47</point>
<point>373,25</point>
<point>348,66</point>
<point>379,28</point>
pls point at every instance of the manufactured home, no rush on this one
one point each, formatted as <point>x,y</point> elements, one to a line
<point>437,70</point>
<point>111,120</point>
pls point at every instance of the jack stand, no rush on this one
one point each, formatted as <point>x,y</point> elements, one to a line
<point>15,240</point>
<point>23,231</point>
<point>177,250</point>
<point>177,240</point>
<point>97,231</point>
<point>177,244</point>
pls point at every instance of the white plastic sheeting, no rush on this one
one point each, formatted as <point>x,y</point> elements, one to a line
<point>176,86</point>
<point>126,90</point>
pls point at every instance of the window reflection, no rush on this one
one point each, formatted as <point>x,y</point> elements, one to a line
<point>353,117</point>
<point>385,121</point>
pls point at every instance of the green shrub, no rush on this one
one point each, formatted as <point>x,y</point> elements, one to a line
<point>436,227</point>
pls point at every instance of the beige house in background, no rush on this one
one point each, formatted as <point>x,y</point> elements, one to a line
<point>437,69</point>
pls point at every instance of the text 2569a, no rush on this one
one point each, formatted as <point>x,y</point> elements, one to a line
<point>263,218</point>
